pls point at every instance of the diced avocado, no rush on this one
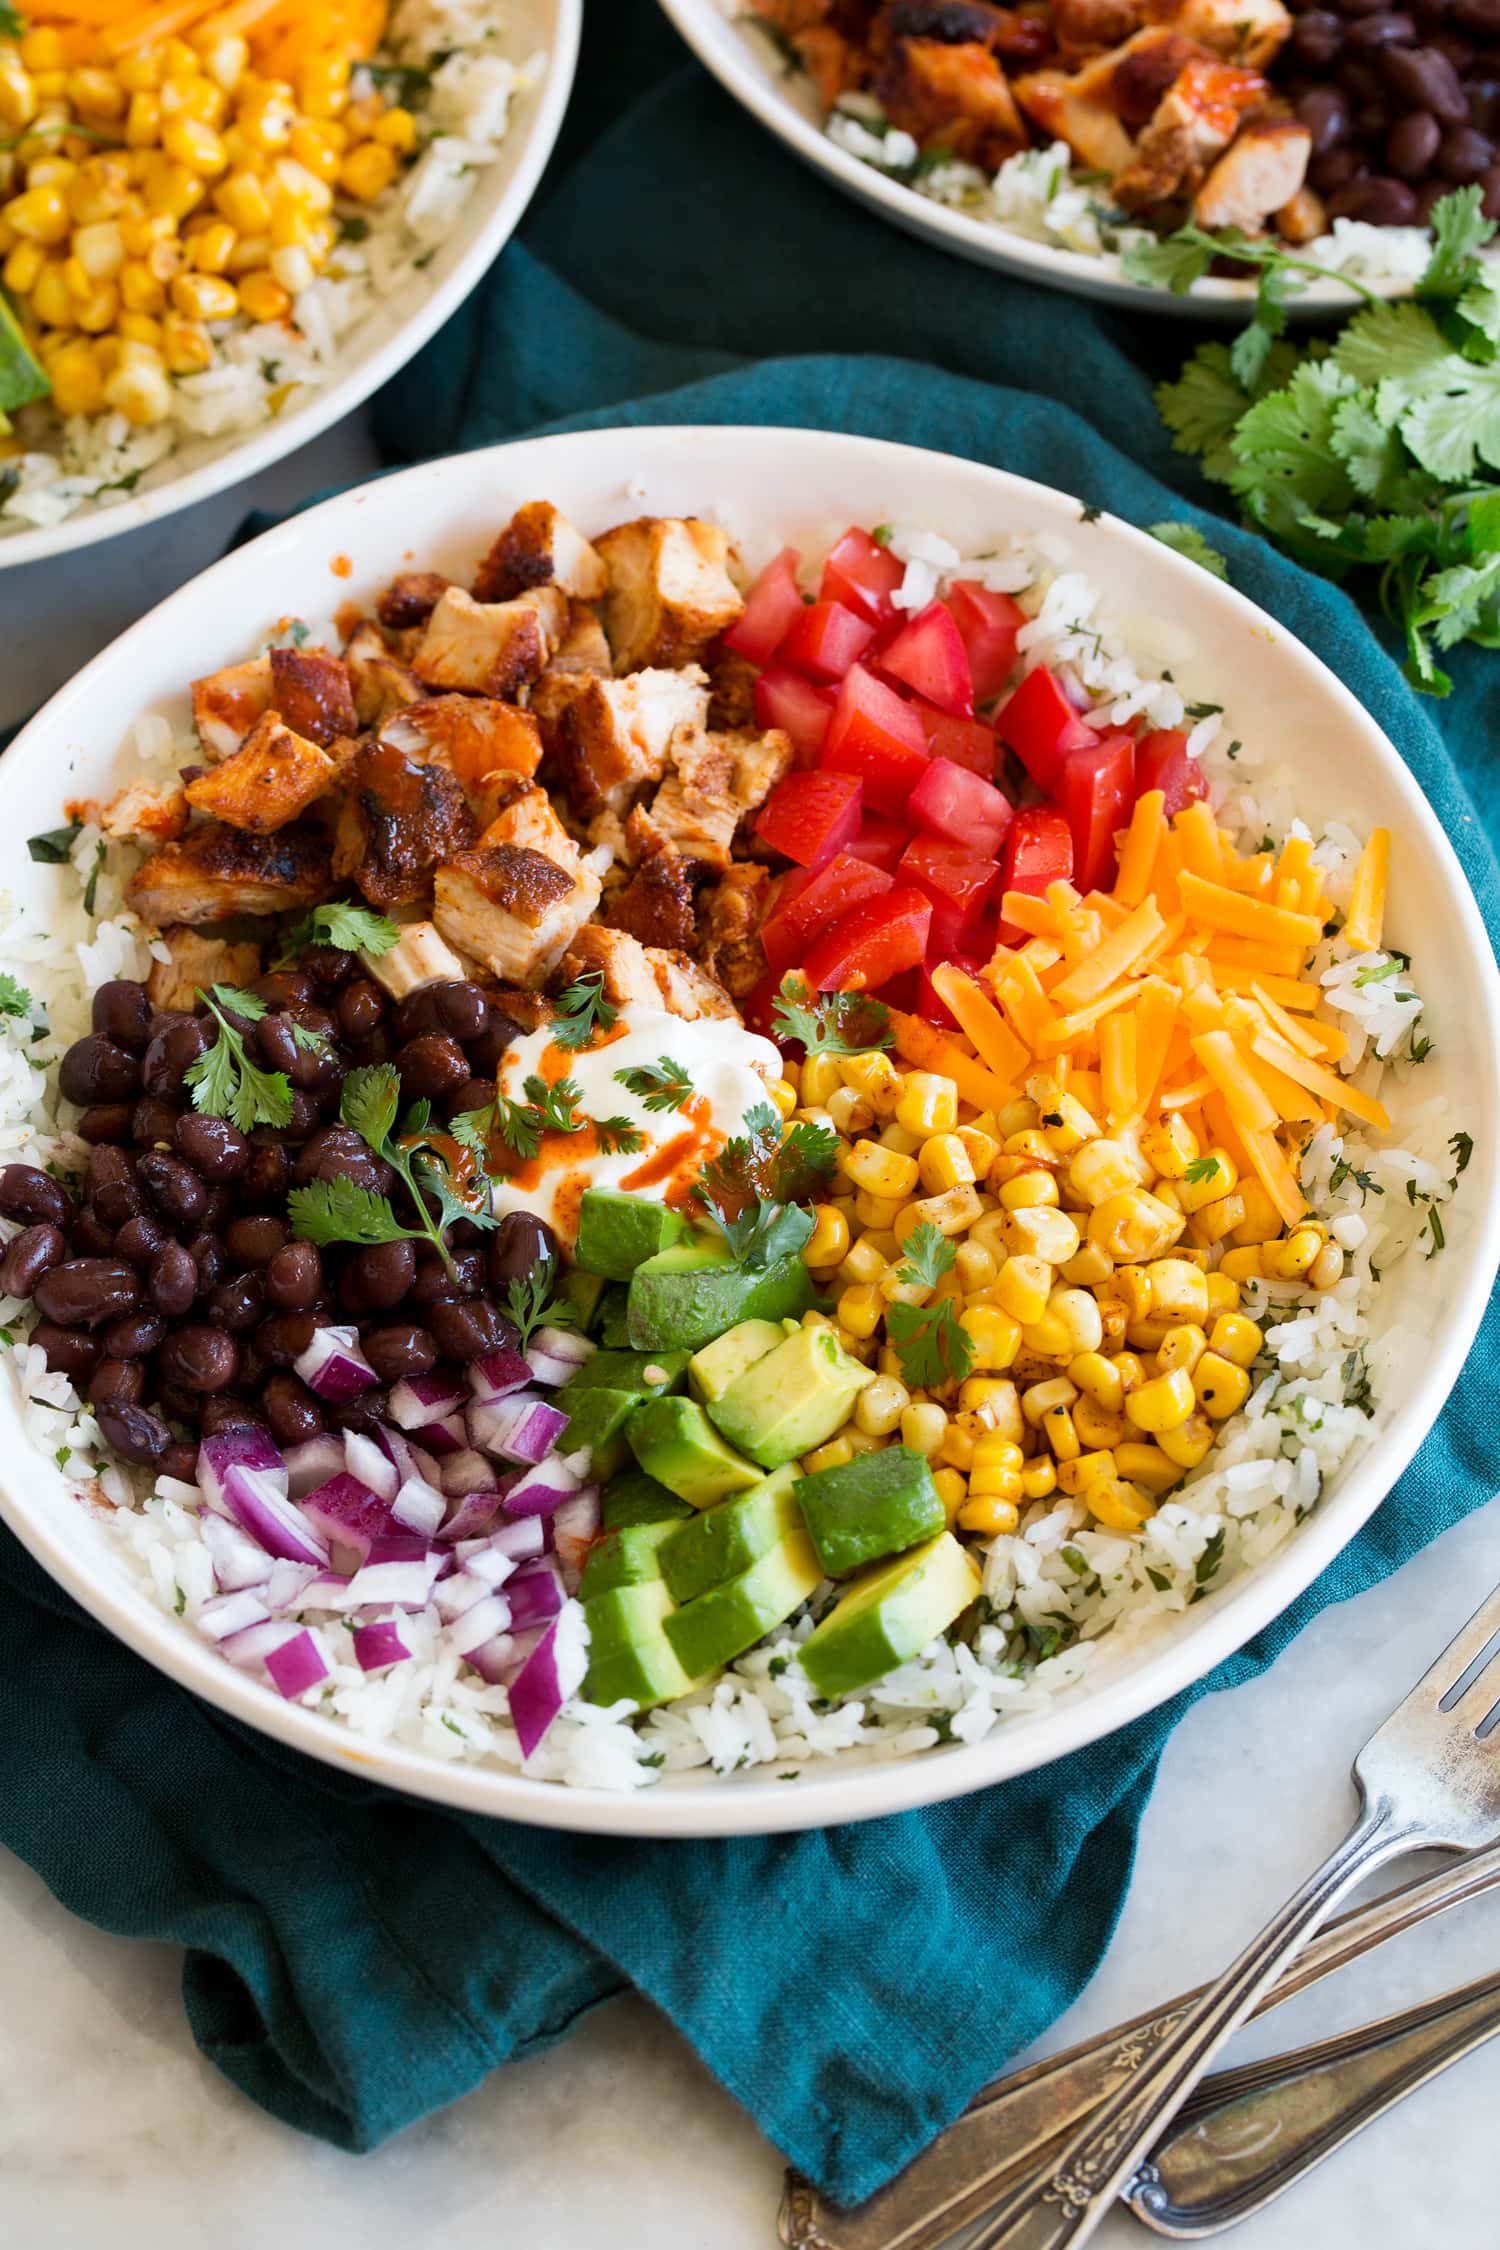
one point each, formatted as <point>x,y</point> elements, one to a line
<point>616,1231</point>
<point>723,1623</point>
<point>614,1316</point>
<point>724,1541</point>
<point>791,1400</point>
<point>889,1616</point>
<point>647,1673</point>
<point>877,1504</point>
<point>714,1368</point>
<point>604,1392</point>
<point>621,1616</point>
<point>633,1497</point>
<point>597,1423</point>
<point>22,375</point>
<point>692,1293</point>
<point>625,1557</point>
<point>648,1374</point>
<point>675,1442</point>
<point>585,1293</point>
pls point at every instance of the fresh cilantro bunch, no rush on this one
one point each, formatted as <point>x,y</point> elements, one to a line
<point>932,1347</point>
<point>755,1184</point>
<point>1377,450</point>
<point>340,1210</point>
<point>225,1081</point>
<point>828,1023</point>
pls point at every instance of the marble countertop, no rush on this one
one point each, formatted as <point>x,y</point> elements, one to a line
<point>112,2125</point>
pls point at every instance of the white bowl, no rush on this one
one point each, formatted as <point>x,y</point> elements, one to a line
<point>748,67</point>
<point>395,328</point>
<point>769,486</point>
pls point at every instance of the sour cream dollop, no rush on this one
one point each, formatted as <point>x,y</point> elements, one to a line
<point>729,1068</point>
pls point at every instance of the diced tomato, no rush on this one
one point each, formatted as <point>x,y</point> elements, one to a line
<point>968,742</point>
<point>951,874</point>
<point>785,699</point>
<point>946,932</point>
<point>1094,792</point>
<point>773,603</point>
<point>825,640</point>
<point>876,734</point>
<point>989,624</point>
<point>871,943</point>
<point>901,992</point>
<point>1038,850</point>
<point>810,816</point>
<point>881,842</point>
<point>812,898</point>
<point>950,801</point>
<point>757,1006</point>
<point>864,575</point>
<point>1162,762</point>
<point>1039,724</point>
<point>928,655</point>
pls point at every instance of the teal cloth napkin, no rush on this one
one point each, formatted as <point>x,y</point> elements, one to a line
<point>354,1959</point>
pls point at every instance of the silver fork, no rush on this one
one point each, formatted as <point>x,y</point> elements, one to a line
<point>1428,1780</point>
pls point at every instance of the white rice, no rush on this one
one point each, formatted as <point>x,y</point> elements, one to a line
<point>1060,1590</point>
<point>265,370</point>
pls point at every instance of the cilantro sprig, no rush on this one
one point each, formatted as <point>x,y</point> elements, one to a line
<point>932,1347</point>
<point>15,1000</point>
<point>582,1010</point>
<point>225,1081</point>
<point>339,1210</point>
<point>663,1084</point>
<point>829,1023</point>
<point>529,1302</point>
<point>754,1187</point>
<point>520,1125</point>
<point>351,928</point>
<point>12,24</point>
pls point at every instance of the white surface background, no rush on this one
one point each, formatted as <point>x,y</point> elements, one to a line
<point>112,2127</point>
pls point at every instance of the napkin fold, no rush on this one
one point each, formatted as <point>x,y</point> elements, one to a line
<point>355,1959</point>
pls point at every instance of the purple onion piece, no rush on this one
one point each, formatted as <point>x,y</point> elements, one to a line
<point>520,1428</point>
<point>379,1645</point>
<point>251,1647</point>
<point>371,1462</point>
<point>479,1624</point>
<point>419,1506</point>
<point>469,1471</point>
<point>400,1571</point>
<point>348,1513</point>
<point>242,1447</point>
<point>254,1497</point>
<point>238,1560</point>
<point>498,1374</point>
<point>499,1660</point>
<point>450,1435</point>
<point>329,1590</point>
<point>419,1399</point>
<point>456,1596</point>
<point>334,1367</point>
<point>231,1613</point>
<point>296,1666</point>
<point>551,1673</point>
<point>542,1490</point>
<point>527,1536</point>
<point>284,1588</point>
<point>473,1512</point>
<point>535,1592</point>
<point>313,1462</point>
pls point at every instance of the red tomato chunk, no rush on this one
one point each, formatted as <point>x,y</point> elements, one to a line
<point>810,899</point>
<point>1039,724</point>
<point>951,875</point>
<point>1162,762</point>
<point>825,640</point>
<point>772,606</point>
<point>928,656</point>
<point>1094,792</point>
<point>881,841</point>
<point>968,742</point>
<point>988,624</point>
<point>872,943</point>
<point>863,575</point>
<point>810,816</point>
<point>950,801</point>
<point>785,699</point>
<point>875,734</point>
<point>1038,850</point>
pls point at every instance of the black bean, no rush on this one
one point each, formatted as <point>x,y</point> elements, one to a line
<point>1491,184</point>
<point>34,1251</point>
<point>69,1351</point>
<point>399,1349</point>
<point>458,1008</point>
<point>361,1006</point>
<point>1360,79</point>
<point>267,1174</point>
<point>275,1044</point>
<point>200,1357</point>
<point>283,988</point>
<point>34,1196</point>
<point>429,1066</point>
<point>174,1047</point>
<point>1458,51</point>
<point>294,1277</point>
<point>469,1093</point>
<point>1483,98</point>
<point>498,1036</point>
<point>435,1285</point>
<point>116,1382</point>
<point>1335,170</point>
<point>329,966</point>
<point>367,1412</point>
<point>172,1280</point>
<point>285,1337</point>
<point>153,1123</point>
<point>1465,155</point>
<point>316,1070</point>
<point>377,1046</point>
<point>237,1305</point>
<point>112,1187</point>
<point>1413,143</point>
<point>291,1409</point>
<point>91,1237</point>
<point>96,1070</point>
<point>181,1461</point>
<point>139,1240</point>
<point>85,1292</point>
<point>1325,113</point>
<point>135,1433</point>
<point>122,1012</point>
<point>1317,37</point>
<point>134,1336</point>
<point>218,1208</point>
<point>214,1147</point>
<point>220,1413</point>
<point>255,1241</point>
<point>1373,32</point>
<point>174,1187</point>
<point>106,1121</point>
<point>520,1245</point>
<point>336,1152</point>
<point>1379,202</point>
<point>1479,18</point>
<point>1372,121</point>
<point>209,1259</point>
<point>386,1271</point>
<point>304,1121</point>
<point>1423,79</point>
<point>467,1329</point>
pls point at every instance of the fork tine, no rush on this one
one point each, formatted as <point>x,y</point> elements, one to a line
<point>1465,1648</point>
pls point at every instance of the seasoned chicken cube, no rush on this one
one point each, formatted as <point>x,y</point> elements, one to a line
<point>612,738</point>
<point>312,692</point>
<point>1304,218</point>
<point>669,592</point>
<point>514,909</point>
<point>273,778</point>
<point>524,815</point>
<point>953,98</point>
<point>1085,121</point>
<point>831,61</point>
<point>584,647</point>
<point>381,682</point>
<point>490,648</point>
<point>1087,27</point>
<point>1102,105</point>
<point>1243,31</point>
<point>419,956</point>
<point>143,812</point>
<point>539,547</point>
<point>620,959</point>
<point>227,704</point>
<point>957,22</point>
<point>479,739</point>
<point>196,963</point>
<point>656,905</point>
<point>400,815</point>
<point>214,872</point>
<point>1261,170</point>
<point>686,990</point>
<point>1197,117</point>
<point>411,598</point>
<point>731,681</point>
<point>729,918</point>
<point>717,779</point>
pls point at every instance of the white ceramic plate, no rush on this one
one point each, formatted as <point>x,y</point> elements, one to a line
<point>395,328</point>
<point>748,67</point>
<point>768,487</point>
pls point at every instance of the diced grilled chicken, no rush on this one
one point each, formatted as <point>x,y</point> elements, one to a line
<point>669,593</point>
<point>312,691</point>
<point>1084,120</point>
<point>227,704</point>
<point>731,683</point>
<point>479,739</point>
<point>1304,218</point>
<point>951,97</point>
<point>716,780</point>
<point>381,682</point>
<point>584,647</point>
<point>792,16</point>
<point>539,547</point>
<point>517,898</point>
<point>1195,119</point>
<point>273,777</point>
<point>958,23</point>
<point>611,740</point>
<point>214,872</point>
<point>729,917</point>
<point>401,814</point>
<point>198,962</point>
<point>411,598</point>
<point>1243,31</point>
<point>656,905</point>
<point>831,61</point>
<point>686,990</point>
<point>639,975</point>
<point>490,648</point>
<point>525,815</point>
<point>1260,172</point>
<point>421,955</point>
<point>143,812</point>
<point>1089,27</point>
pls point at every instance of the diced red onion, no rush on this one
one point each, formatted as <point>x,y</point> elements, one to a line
<point>545,1488</point>
<point>252,1646</point>
<point>479,1624</point>
<point>334,1367</point>
<point>527,1536</point>
<point>535,1593</point>
<point>467,1471</point>
<point>575,1527</point>
<point>401,1571</point>
<point>448,1435</point>
<point>379,1645</point>
<point>297,1665</point>
<point>555,1354</point>
<point>241,1447</point>
<point>255,1496</point>
<point>366,1458</point>
<point>519,1428</point>
<point>238,1560</point>
<point>313,1462</point>
<point>551,1673</point>
<point>499,1660</point>
<point>472,1512</point>
<point>349,1513</point>
<point>498,1373</point>
<point>284,1588</point>
<point>230,1613</point>
<point>419,1399</point>
<point>488,1565</point>
<point>459,1594</point>
<point>329,1590</point>
<point>418,1506</point>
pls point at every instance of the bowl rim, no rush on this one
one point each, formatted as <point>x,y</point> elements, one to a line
<point>274,440</point>
<point>872,1790</point>
<point>722,47</point>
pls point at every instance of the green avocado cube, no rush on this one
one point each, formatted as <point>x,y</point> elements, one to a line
<point>674,1441</point>
<point>617,1231</point>
<point>794,1398</point>
<point>720,1625</point>
<point>721,1542</point>
<point>633,1497</point>
<point>625,1557</point>
<point>648,1374</point>
<point>584,1292</point>
<point>622,1616</point>
<point>877,1504</point>
<point>646,1673</point>
<point>597,1424</point>
<point>714,1368</point>
<point>22,375</point>
<point>889,1616</point>
<point>613,1325</point>
<point>692,1293</point>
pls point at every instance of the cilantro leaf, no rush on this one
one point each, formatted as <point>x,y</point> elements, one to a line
<point>554,1105</point>
<point>1186,539</point>
<point>1456,421</point>
<point>54,845</point>
<point>529,1302</point>
<point>327,1211</point>
<point>1459,232</point>
<point>1175,263</point>
<point>582,1010</point>
<point>351,928</point>
<point>12,25</point>
<point>616,1136</point>
<point>1201,1170</point>
<point>1391,350</point>
<point>661,1085</point>
<point>1462,1146</point>
<point>370,1100</point>
<point>932,1346</point>
<point>754,1187</point>
<point>224,1082</point>
<point>829,1023</point>
<point>369,1103</point>
<point>15,1000</point>
<point>929,1255</point>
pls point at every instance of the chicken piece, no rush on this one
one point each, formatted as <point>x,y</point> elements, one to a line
<point>1242,31</point>
<point>833,65</point>
<point>952,98</point>
<point>196,963</point>
<point>669,590</point>
<point>1089,27</point>
<point>215,871</point>
<point>584,647</point>
<point>272,778</point>
<point>539,547</point>
<point>1261,171</point>
<point>686,990</point>
<point>717,779</point>
<point>1304,218</point>
<point>512,909</point>
<point>1091,129</point>
<point>490,648</point>
<point>312,691</point>
<point>729,918</point>
<point>401,814</point>
<point>381,682</point>
<point>419,956</point>
<point>792,16</point>
<point>650,976</point>
<point>731,682</point>
<point>762,757</point>
<point>143,812</point>
<point>1195,119</point>
<point>656,905</point>
<point>477,738</point>
<point>411,598</point>
<point>612,738</point>
<point>227,704</point>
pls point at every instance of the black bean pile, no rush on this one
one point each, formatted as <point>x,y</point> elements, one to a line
<point>174,1295</point>
<point>1403,104</point>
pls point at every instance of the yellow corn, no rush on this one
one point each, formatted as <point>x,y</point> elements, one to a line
<point>1221,1386</point>
<point>1129,1369</point>
<point>995,1336</point>
<point>1147,1465</point>
<point>952,1489</point>
<point>367,171</point>
<point>1163,1403</point>
<point>1217,1220</point>
<point>951,1212</point>
<point>976,1267</point>
<point>880,1406</point>
<point>1061,1436</point>
<point>1079,1317</point>
<point>1076,1475</point>
<point>1066,1124</point>
<point>1096,1425</point>
<point>1291,1259</point>
<point>983,1148</point>
<point>833,1455</point>
<point>1207,1179</point>
<point>1134,1225</point>
<point>1223,1293</point>
<point>880,1171</point>
<point>1189,1442</point>
<point>1102,1170</point>
<point>994,1402</point>
<point>1262,1220</point>
<point>187,346</point>
<point>22,266</point>
<point>859,1310</point>
<point>990,1517</point>
<point>1169,1147</point>
<point>139,390</point>
<point>944,1163</point>
<point>1243,1265</point>
<point>1039,1477</point>
<point>1178,1289</point>
<point>1118,1506</point>
<point>1235,1338</point>
<point>1042,1398</point>
<point>1087,1266</point>
<point>877,1212</point>
<point>39,215</point>
<point>397,130</point>
<point>18,102</point>
<point>1022,1288</point>
<point>1027,1190</point>
<point>1098,1380</point>
<point>77,379</point>
<point>1038,1232</point>
<point>1182,1346</point>
<point>927,1103</point>
<point>922,1426</point>
<point>829,1241</point>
